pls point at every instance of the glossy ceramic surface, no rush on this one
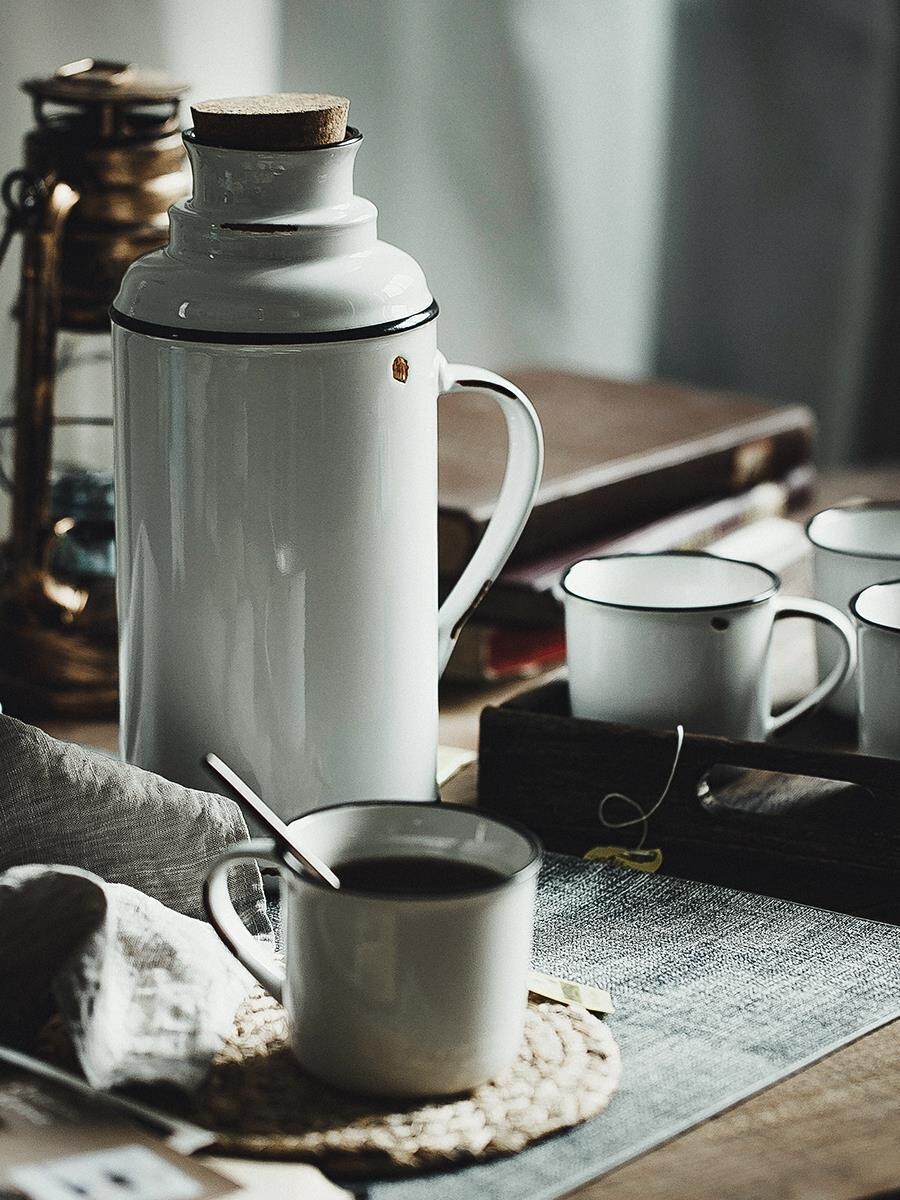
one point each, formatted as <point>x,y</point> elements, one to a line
<point>273,242</point>
<point>666,639</point>
<point>401,996</point>
<point>877,613</point>
<point>853,547</point>
<point>277,503</point>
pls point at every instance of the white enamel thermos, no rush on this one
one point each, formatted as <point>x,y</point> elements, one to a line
<point>276,386</point>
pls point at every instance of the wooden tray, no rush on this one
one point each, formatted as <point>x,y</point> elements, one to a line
<point>807,819</point>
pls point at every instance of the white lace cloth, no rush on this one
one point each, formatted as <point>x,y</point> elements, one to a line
<point>101,916</point>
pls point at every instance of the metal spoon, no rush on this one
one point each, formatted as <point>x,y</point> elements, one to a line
<point>284,838</point>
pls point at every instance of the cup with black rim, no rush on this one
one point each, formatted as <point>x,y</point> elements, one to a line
<point>684,637</point>
<point>854,545</point>
<point>876,611</point>
<point>411,979</point>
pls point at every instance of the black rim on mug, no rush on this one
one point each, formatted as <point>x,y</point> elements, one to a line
<point>868,620</point>
<point>522,873</point>
<point>863,506</point>
<point>759,598</point>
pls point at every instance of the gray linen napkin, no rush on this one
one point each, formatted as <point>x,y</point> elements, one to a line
<point>61,803</point>
<point>99,904</point>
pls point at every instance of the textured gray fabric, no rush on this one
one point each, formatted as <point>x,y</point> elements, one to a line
<point>147,994</point>
<point>61,803</point>
<point>718,993</point>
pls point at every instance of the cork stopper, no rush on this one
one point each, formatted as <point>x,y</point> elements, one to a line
<point>286,121</point>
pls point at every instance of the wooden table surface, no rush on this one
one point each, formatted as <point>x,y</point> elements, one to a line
<point>830,1132</point>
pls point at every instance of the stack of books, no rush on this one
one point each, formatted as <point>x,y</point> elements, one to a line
<point>630,466</point>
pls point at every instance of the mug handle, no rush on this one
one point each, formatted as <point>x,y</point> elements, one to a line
<point>228,925</point>
<point>825,614</point>
<point>524,464</point>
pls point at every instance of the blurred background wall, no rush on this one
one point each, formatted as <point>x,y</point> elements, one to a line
<point>778,252</point>
<point>705,189</point>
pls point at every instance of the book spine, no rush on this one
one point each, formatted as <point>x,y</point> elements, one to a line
<point>644,495</point>
<point>524,594</point>
<point>487,653</point>
<point>652,494</point>
<point>698,527</point>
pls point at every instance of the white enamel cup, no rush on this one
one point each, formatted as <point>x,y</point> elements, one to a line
<point>684,638</point>
<point>853,546</point>
<point>400,995</point>
<point>876,610</point>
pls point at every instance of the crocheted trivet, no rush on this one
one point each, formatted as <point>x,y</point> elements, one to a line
<point>259,1102</point>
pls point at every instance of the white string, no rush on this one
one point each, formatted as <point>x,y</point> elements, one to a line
<point>643,817</point>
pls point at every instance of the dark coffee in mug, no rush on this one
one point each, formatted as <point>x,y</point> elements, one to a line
<point>418,875</point>
<point>412,978</point>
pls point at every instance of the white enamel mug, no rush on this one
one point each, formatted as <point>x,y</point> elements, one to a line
<point>853,546</point>
<point>876,610</point>
<point>397,995</point>
<point>684,637</point>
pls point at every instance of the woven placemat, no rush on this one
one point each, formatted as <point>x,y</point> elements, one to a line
<point>259,1102</point>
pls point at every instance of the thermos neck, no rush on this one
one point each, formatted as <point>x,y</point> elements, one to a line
<point>273,247</point>
<point>265,185</point>
<point>304,197</point>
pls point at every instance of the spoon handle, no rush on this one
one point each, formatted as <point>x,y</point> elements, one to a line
<point>281,832</point>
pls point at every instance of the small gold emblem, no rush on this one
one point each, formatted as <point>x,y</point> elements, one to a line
<point>400,369</point>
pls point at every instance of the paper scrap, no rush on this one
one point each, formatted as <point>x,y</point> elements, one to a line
<point>450,761</point>
<point>132,1170</point>
<point>565,991</point>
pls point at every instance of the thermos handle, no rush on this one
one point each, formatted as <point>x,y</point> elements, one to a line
<point>524,464</point>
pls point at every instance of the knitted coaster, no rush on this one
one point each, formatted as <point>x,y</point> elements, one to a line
<point>259,1102</point>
